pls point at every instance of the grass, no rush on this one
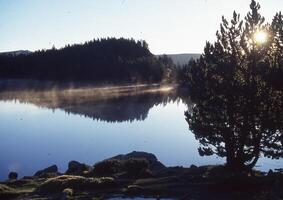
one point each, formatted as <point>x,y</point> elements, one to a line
<point>77,183</point>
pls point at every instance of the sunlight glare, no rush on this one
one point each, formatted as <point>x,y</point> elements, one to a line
<point>260,37</point>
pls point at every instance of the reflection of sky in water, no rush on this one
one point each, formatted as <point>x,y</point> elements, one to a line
<point>33,138</point>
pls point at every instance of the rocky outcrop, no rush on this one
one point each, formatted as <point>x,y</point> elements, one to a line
<point>48,172</point>
<point>67,194</point>
<point>129,175</point>
<point>77,168</point>
<point>107,167</point>
<point>13,176</point>
<point>78,183</point>
<point>7,192</point>
<point>154,164</point>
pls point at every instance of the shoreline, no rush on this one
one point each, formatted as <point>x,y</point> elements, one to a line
<point>140,174</point>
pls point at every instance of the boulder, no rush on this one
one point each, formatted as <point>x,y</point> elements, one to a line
<point>133,167</point>
<point>13,176</point>
<point>154,164</point>
<point>107,167</point>
<point>137,167</point>
<point>77,168</point>
<point>134,190</point>
<point>7,192</point>
<point>270,172</point>
<point>193,167</point>
<point>76,183</point>
<point>48,172</point>
<point>67,194</point>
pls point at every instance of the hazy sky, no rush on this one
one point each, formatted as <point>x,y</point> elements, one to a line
<point>169,26</point>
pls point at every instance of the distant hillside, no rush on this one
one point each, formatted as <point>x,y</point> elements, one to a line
<point>105,60</point>
<point>182,59</point>
<point>16,53</point>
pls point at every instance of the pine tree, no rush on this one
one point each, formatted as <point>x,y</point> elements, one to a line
<point>276,52</point>
<point>237,114</point>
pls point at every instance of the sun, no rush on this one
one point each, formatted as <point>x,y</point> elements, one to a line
<point>260,37</point>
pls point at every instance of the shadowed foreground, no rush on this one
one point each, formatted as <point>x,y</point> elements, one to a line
<point>140,174</point>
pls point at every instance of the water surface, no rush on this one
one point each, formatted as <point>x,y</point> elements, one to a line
<point>41,128</point>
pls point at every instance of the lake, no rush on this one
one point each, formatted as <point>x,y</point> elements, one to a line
<point>42,127</point>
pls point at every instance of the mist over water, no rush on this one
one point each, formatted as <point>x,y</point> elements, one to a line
<point>41,127</point>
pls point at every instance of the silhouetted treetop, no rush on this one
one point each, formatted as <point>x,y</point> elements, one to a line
<point>99,60</point>
<point>238,108</point>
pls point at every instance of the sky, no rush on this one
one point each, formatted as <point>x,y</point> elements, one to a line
<point>168,26</point>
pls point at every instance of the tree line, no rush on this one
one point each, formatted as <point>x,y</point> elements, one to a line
<point>107,60</point>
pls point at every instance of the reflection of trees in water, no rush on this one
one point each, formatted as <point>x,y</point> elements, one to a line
<point>116,104</point>
<point>126,108</point>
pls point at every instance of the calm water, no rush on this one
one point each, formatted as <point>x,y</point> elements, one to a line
<point>39,129</point>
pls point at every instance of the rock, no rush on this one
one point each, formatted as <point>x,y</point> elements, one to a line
<point>280,170</point>
<point>107,167</point>
<point>193,167</point>
<point>13,176</point>
<point>68,191</point>
<point>154,164</point>
<point>67,194</point>
<point>137,167</point>
<point>136,154</point>
<point>146,173</point>
<point>77,183</point>
<point>133,167</point>
<point>270,172</point>
<point>134,190</point>
<point>7,192</point>
<point>28,177</point>
<point>77,168</point>
<point>47,172</point>
<point>155,186</point>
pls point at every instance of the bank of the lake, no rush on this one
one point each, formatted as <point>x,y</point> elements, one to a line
<point>142,175</point>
